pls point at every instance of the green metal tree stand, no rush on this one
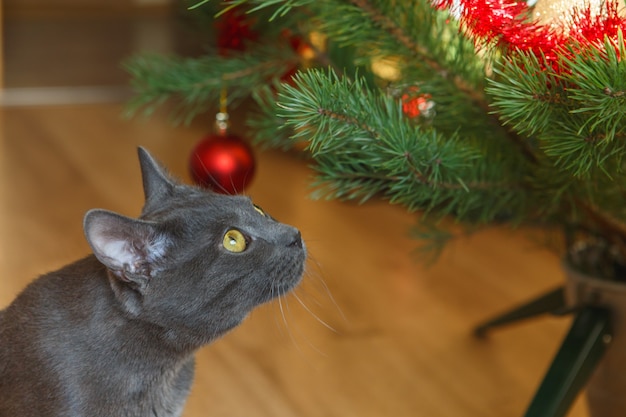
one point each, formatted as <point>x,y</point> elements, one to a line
<point>581,350</point>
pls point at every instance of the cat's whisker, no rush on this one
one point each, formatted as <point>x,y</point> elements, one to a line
<point>279,296</point>
<point>208,172</point>
<point>308,341</point>
<point>245,181</point>
<point>315,316</point>
<point>233,186</point>
<point>273,296</point>
<point>276,294</point>
<point>318,278</point>
<point>285,321</point>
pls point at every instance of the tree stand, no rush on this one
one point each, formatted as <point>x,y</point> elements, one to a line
<point>579,354</point>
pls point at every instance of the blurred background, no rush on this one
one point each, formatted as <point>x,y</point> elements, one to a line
<point>72,43</point>
<point>371,332</point>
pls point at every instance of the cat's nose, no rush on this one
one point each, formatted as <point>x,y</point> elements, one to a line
<point>296,241</point>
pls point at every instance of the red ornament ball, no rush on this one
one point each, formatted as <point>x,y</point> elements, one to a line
<point>222,163</point>
<point>235,29</point>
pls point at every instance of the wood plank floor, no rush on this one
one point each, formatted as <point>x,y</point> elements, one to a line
<point>401,342</point>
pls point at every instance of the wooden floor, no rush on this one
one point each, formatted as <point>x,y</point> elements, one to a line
<point>371,331</point>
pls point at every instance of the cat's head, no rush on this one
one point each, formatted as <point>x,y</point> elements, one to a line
<point>196,262</point>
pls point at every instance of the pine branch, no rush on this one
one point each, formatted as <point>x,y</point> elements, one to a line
<point>423,55</point>
<point>412,30</point>
<point>573,113</point>
<point>281,7</point>
<point>267,129</point>
<point>346,124</point>
<point>411,164</point>
<point>434,53</point>
<point>195,83</point>
<point>558,161</point>
<point>398,33</point>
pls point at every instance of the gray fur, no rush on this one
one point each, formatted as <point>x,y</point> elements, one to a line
<point>114,334</point>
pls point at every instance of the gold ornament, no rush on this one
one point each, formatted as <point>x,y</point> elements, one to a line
<point>386,68</point>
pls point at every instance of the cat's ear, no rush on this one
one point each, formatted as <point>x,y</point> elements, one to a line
<point>131,249</point>
<point>156,182</point>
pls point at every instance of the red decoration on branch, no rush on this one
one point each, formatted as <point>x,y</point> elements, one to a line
<point>234,30</point>
<point>507,23</point>
<point>222,162</point>
<point>416,104</point>
<point>297,43</point>
<point>301,47</point>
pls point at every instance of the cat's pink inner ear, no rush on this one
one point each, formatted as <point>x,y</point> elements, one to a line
<point>122,243</point>
<point>118,251</point>
<point>108,234</point>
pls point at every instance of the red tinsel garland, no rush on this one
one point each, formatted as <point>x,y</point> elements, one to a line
<point>508,23</point>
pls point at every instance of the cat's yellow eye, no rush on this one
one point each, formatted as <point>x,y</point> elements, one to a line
<point>259,210</point>
<point>234,241</point>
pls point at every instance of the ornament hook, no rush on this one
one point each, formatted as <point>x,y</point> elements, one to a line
<point>221,118</point>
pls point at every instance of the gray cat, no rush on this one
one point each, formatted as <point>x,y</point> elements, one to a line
<point>114,334</point>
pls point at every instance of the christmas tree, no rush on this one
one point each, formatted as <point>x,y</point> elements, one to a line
<point>485,111</point>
